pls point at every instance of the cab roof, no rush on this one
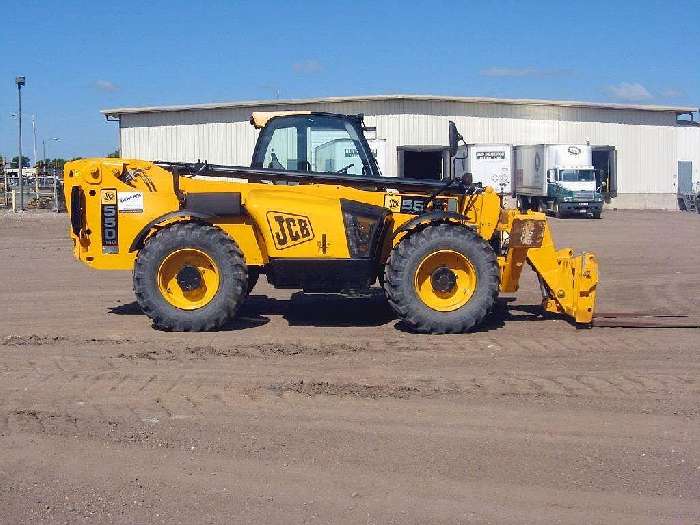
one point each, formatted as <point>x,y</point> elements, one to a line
<point>259,119</point>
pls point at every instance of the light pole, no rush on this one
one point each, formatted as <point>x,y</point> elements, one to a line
<point>5,166</point>
<point>20,81</point>
<point>36,175</point>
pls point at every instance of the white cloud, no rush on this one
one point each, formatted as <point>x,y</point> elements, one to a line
<point>522,72</point>
<point>307,66</point>
<point>106,85</point>
<point>629,92</point>
<point>672,93</point>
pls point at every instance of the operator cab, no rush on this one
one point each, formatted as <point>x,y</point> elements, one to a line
<point>315,143</point>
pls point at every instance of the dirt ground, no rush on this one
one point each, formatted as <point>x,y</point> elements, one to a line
<point>313,409</point>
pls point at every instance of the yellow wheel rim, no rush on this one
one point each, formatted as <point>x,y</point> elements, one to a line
<point>445,280</point>
<point>188,279</point>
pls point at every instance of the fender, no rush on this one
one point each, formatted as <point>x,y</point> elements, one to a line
<point>431,218</point>
<point>140,238</point>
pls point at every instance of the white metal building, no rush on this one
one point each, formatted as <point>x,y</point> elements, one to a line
<point>642,147</point>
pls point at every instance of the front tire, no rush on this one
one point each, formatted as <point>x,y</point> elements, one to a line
<point>557,212</point>
<point>190,277</point>
<point>442,279</point>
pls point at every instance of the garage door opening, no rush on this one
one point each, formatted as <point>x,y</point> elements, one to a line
<point>423,162</point>
<point>605,164</point>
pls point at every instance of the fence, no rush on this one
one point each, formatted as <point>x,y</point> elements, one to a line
<point>38,192</point>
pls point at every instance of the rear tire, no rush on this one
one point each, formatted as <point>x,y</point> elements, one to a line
<point>466,303</point>
<point>190,277</point>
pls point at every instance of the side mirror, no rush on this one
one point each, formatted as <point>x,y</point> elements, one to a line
<point>455,137</point>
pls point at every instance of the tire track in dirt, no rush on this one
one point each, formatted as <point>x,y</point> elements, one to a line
<point>152,383</point>
<point>577,385</point>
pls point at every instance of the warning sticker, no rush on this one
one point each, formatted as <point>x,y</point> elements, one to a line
<point>130,202</point>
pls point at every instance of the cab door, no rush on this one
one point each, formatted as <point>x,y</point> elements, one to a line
<point>318,237</point>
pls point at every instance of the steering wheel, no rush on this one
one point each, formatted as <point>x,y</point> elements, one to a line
<point>345,169</point>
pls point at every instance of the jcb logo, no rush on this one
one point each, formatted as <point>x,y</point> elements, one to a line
<point>393,202</point>
<point>289,229</point>
<point>108,196</point>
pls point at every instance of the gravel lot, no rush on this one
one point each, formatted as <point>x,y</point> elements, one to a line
<point>320,410</point>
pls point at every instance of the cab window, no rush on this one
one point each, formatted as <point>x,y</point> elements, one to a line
<point>312,143</point>
<point>577,175</point>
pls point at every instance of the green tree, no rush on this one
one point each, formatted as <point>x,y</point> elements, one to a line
<point>50,164</point>
<point>15,162</point>
<point>114,155</point>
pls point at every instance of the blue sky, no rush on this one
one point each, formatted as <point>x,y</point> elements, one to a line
<point>83,56</point>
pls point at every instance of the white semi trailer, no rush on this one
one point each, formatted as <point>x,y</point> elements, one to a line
<point>558,179</point>
<point>491,165</point>
<point>486,164</point>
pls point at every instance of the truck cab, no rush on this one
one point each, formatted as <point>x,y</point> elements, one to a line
<point>558,179</point>
<point>572,186</point>
<point>574,190</point>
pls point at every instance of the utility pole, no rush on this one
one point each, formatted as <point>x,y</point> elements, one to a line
<point>43,163</point>
<point>5,167</point>
<point>20,81</point>
<point>34,132</point>
<point>36,173</point>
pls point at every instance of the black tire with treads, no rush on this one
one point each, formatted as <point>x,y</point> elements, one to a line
<point>402,265</point>
<point>233,277</point>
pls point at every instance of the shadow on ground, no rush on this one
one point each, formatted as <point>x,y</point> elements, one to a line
<point>332,310</point>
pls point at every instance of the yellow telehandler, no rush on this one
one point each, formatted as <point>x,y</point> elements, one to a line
<point>313,212</point>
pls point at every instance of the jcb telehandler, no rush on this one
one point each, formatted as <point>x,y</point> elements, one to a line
<point>313,213</point>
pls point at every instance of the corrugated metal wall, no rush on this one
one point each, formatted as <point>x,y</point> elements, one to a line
<point>648,144</point>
